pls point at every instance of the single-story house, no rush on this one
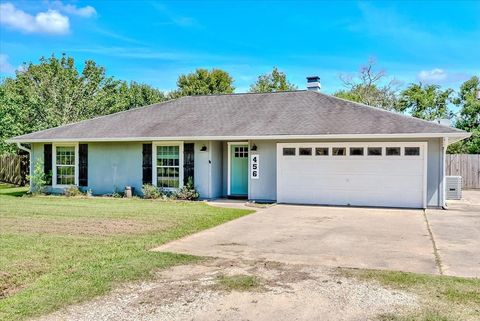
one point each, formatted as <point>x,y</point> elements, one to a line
<point>301,147</point>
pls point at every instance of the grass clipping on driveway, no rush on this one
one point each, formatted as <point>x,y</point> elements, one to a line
<point>238,282</point>
<point>441,298</point>
<point>57,251</point>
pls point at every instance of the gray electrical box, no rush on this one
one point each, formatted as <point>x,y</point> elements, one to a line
<point>453,186</point>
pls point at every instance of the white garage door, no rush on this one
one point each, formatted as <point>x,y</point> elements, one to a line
<point>363,174</point>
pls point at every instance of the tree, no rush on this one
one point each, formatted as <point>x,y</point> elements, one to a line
<point>370,87</point>
<point>469,117</point>
<point>428,102</point>
<point>272,82</point>
<point>54,93</point>
<point>204,82</point>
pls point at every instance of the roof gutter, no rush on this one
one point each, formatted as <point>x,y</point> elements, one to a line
<point>455,137</point>
<point>20,146</point>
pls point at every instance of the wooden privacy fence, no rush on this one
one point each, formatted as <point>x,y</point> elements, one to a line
<point>465,165</point>
<point>14,169</point>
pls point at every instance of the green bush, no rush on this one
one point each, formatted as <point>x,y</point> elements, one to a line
<point>38,179</point>
<point>72,191</point>
<point>151,192</point>
<point>187,192</point>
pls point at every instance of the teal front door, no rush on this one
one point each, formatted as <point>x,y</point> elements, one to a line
<point>239,170</point>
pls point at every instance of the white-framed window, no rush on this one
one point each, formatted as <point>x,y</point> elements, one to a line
<point>65,167</point>
<point>321,151</point>
<point>288,151</point>
<point>305,151</point>
<point>412,151</point>
<point>168,165</point>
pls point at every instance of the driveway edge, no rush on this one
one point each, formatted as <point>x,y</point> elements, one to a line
<point>436,254</point>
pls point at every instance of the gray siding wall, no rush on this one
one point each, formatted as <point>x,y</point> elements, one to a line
<point>265,187</point>
<point>225,168</point>
<point>112,166</point>
<point>216,169</point>
<point>434,173</point>
<point>202,169</point>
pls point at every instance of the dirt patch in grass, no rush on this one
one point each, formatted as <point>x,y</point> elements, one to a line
<point>222,289</point>
<point>79,226</point>
<point>239,282</point>
<point>8,285</point>
<point>441,298</point>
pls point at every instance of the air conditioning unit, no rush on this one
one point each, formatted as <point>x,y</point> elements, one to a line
<point>453,185</point>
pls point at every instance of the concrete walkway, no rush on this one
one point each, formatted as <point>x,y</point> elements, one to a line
<point>457,235</point>
<point>392,239</point>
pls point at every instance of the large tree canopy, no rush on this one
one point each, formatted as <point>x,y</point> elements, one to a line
<point>469,117</point>
<point>272,82</point>
<point>428,102</point>
<point>204,82</point>
<point>370,87</point>
<point>54,93</point>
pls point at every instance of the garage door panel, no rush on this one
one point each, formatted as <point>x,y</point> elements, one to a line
<point>397,181</point>
<point>359,181</point>
<point>370,198</point>
<point>364,166</point>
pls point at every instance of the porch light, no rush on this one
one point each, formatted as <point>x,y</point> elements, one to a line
<point>254,148</point>
<point>203,149</point>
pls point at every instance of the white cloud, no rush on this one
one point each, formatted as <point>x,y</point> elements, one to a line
<point>440,76</point>
<point>434,75</point>
<point>5,66</point>
<point>50,22</point>
<point>85,12</point>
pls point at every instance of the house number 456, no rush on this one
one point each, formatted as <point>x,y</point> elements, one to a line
<point>254,166</point>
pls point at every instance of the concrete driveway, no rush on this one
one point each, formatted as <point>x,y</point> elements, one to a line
<point>457,235</point>
<point>392,239</point>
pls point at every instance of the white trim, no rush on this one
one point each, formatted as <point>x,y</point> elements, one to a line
<point>154,162</point>
<point>229,144</point>
<point>443,150</point>
<point>425,173</point>
<point>459,135</point>
<point>54,163</point>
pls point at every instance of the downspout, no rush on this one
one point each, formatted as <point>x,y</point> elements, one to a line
<point>442,171</point>
<point>210,169</point>
<point>19,145</point>
<point>29,151</point>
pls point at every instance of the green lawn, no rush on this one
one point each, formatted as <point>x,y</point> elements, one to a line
<point>56,251</point>
<point>441,298</point>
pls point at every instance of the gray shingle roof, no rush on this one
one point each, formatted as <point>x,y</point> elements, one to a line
<point>243,115</point>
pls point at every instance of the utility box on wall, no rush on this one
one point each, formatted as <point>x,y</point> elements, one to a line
<point>453,185</point>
